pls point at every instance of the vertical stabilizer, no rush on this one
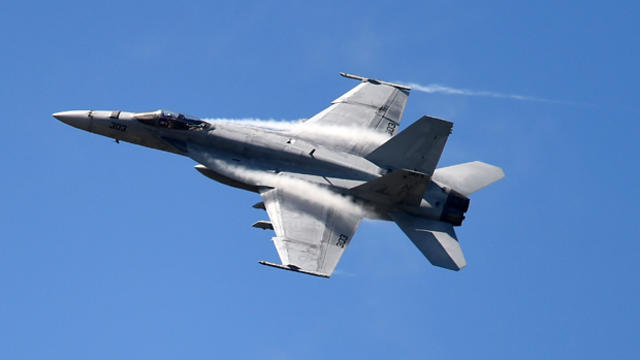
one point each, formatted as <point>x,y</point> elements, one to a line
<point>416,148</point>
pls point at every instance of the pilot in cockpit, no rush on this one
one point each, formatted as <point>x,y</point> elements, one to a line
<point>171,120</point>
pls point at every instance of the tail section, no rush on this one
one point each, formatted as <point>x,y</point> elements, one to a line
<point>397,187</point>
<point>425,202</point>
<point>417,148</point>
<point>469,177</point>
<point>436,240</point>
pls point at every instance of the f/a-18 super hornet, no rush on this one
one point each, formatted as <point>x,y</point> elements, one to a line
<point>320,177</point>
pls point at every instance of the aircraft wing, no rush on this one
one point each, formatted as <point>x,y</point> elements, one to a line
<point>310,237</point>
<point>372,105</point>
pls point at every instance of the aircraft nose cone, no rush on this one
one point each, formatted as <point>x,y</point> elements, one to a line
<point>76,118</point>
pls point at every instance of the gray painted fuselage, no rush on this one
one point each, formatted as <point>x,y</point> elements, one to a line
<point>256,150</point>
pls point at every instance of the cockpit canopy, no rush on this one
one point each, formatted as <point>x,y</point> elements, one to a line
<point>171,120</point>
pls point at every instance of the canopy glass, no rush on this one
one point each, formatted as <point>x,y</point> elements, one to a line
<point>171,120</point>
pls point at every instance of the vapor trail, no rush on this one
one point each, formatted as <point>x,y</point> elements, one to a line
<point>441,89</point>
<point>272,124</point>
<point>330,135</point>
<point>300,189</point>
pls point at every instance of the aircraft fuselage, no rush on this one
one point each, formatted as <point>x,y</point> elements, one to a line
<point>253,148</point>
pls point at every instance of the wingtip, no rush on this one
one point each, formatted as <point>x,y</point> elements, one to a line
<point>294,269</point>
<point>375,81</point>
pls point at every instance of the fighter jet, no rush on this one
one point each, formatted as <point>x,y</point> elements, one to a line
<point>320,177</point>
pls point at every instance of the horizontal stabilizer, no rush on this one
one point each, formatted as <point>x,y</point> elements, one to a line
<point>435,239</point>
<point>469,177</point>
<point>418,147</point>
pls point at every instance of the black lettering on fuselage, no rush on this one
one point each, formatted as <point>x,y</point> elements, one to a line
<point>116,126</point>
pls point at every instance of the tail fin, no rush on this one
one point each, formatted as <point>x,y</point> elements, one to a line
<point>417,148</point>
<point>469,177</point>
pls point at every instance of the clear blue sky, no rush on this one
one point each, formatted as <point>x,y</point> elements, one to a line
<point>121,252</point>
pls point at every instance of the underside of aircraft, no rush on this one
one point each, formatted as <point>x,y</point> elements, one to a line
<point>319,178</point>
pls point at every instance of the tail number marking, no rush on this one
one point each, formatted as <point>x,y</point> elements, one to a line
<point>342,240</point>
<point>391,127</point>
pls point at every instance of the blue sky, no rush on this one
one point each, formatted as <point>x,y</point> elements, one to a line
<point>117,251</point>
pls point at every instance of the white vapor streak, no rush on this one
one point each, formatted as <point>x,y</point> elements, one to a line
<point>302,190</point>
<point>337,135</point>
<point>435,88</point>
<point>333,135</point>
<point>271,124</point>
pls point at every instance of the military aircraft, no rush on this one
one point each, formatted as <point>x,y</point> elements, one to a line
<point>320,177</point>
